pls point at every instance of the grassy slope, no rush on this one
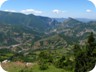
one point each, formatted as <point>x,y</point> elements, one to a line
<point>16,67</point>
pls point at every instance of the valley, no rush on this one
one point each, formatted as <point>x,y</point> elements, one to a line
<point>46,41</point>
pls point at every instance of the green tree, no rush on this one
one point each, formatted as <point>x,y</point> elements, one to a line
<point>60,63</point>
<point>85,61</point>
<point>91,38</point>
<point>44,59</point>
<point>76,49</point>
<point>90,44</point>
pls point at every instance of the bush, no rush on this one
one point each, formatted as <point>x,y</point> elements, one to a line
<point>60,62</point>
<point>43,66</point>
<point>44,59</point>
<point>64,63</point>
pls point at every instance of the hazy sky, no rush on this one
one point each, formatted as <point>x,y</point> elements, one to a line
<point>51,8</point>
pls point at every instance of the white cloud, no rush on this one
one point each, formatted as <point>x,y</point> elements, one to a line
<point>88,10</point>
<point>10,10</point>
<point>1,2</point>
<point>26,11</point>
<point>56,11</point>
<point>31,11</point>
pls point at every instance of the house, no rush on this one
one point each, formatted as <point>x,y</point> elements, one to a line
<point>5,61</point>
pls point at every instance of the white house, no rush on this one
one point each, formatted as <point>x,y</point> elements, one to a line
<point>5,61</point>
<point>28,64</point>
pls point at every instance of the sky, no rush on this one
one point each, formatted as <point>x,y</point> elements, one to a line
<point>52,8</point>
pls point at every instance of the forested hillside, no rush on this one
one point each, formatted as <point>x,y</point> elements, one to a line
<point>37,32</point>
<point>68,46</point>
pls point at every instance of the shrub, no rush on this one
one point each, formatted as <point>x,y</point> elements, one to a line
<point>43,66</point>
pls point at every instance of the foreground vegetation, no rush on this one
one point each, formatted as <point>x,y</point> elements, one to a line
<point>15,67</point>
<point>76,58</point>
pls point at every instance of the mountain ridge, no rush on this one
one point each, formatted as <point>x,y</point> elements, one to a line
<point>37,32</point>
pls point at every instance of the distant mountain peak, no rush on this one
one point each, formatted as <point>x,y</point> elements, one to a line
<point>71,20</point>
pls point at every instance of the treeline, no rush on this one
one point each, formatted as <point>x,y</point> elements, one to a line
<point>78,59</point>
